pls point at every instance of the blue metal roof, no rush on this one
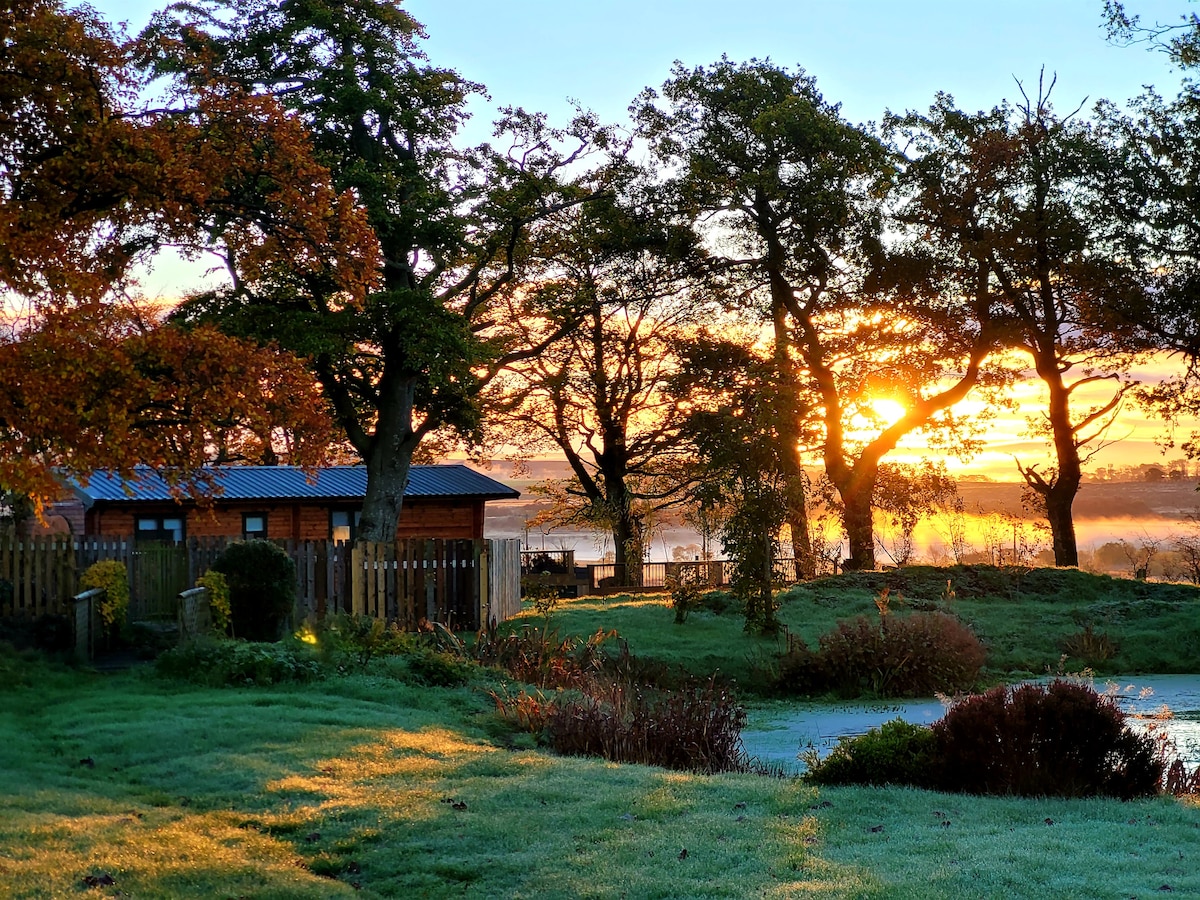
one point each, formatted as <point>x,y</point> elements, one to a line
<point>291,483</point>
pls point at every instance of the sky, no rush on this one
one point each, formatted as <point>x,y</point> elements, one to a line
<point>870,56</point>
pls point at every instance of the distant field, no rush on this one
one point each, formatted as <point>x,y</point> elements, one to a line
<point>1106,512</point>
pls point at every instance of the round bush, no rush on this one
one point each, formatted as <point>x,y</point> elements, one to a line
<point>897,753</point>
<point>899,656</point>
<point>262,588</point>
<point>1061,739</point>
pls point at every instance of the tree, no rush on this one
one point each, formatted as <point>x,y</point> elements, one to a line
<point>621,273</point>
<point>90,389</point>
<point>91,183</point>
<point>735,426</point>
<point>410,359</point>
<point>1179,39</point>
<point>1021,195</point>
<point>794,196</point>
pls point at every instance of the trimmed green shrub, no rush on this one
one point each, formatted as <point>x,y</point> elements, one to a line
<point>359,639</point>
<point>896,753</point>
<point>262,588</point>
<point>1062,740</point>
<point>216,663</point>
<point>439,668</point>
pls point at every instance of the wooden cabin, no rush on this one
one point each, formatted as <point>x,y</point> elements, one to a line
<point>278,503</point>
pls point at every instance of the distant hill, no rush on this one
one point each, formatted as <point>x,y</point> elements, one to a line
<point>1096,499</point>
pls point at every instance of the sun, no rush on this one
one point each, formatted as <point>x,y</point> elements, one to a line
<point>890,411</point>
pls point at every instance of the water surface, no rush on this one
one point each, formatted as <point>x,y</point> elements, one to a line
<point>779,735</point>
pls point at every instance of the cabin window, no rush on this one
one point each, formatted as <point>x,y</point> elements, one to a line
<point>254,526</point>
<point>343,524</point>
<point>160,528</point>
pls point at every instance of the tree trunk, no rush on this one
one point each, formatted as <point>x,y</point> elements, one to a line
<point>860,528</point>
<point>387,479</point>
<point>790,437</point>
<point>1062,523</point>
<point>764,616</point>
<point>627,546</point>
<point>1059,492</point>
<point>388,454</point>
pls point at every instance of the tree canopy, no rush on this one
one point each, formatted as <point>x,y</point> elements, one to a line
<point>796,201</point>
<point>93,181</point>
<point>387,284</point>
<point>408,361</point>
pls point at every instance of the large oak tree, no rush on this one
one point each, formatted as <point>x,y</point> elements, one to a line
<point>1025,197</point>
<point>793,199</point>
<point>92,181</point>
<point>409,360</point>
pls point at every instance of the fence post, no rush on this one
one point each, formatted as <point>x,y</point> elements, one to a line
<point>357,605</point>
<point>84,620</point>
<point>194,606</point>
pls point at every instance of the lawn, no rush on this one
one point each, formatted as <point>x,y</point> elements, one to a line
<point>1024,618</point>
<point>365,784</point>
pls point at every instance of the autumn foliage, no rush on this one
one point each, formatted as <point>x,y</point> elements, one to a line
<point>90,388</point>
<point>93,182</point>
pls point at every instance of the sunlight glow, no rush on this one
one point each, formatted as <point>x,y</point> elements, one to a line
<point>889,410</point>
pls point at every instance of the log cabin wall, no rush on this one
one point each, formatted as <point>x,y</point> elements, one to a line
<point>421,517</point>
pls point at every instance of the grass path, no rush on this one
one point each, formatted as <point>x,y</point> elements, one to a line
<point>412,792</point>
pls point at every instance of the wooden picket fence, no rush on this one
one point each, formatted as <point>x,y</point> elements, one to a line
<point>459,583</point>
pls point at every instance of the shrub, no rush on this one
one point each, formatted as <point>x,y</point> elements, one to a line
<point>697,729</point>
<point>720,602</point>
<point>540,657</point>
<point>896,753</point>
<point>911,656</point>
<point>1058,740</point>
<point>362,638</point>
<point>217,587</point>
<point>438,668</point>
<point>799,670</point>
<point>262,588</point>
<point>685,596</point>
<point>110,576</point>
<point>1091,647</point>
<point>238,663</point>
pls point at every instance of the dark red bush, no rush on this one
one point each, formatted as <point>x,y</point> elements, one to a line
<point>694,729</point>
<point>1062,740</point>
<point>894,656</point>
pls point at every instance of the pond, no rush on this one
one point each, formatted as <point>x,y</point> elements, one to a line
<point>777,735</point>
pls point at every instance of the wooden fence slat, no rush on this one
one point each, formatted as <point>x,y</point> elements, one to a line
<point>439,557</point>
